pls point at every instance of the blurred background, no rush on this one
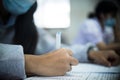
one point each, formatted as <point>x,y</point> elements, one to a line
<point>63,15</point>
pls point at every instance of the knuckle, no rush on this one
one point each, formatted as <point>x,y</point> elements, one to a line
<point>63,49</point>
<point>70,50</point>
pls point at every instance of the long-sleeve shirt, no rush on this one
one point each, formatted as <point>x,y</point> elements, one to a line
<point>12,62</point>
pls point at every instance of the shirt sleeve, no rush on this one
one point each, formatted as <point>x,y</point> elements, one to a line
<point>12,62</point>
<point>93,33</point>
<point>46,42</point>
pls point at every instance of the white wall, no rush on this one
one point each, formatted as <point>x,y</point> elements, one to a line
<point>79,12</point>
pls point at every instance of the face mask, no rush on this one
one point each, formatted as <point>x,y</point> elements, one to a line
<point>18,7</point>
<point>110,22</point>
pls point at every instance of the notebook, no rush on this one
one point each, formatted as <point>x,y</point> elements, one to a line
<point>85,71</point>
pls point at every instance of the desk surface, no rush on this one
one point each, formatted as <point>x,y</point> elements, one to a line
<point>84,71</point>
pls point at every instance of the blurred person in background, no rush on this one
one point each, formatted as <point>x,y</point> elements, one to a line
<point>101,28</point>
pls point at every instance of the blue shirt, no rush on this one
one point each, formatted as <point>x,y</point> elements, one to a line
<point>6,37</point>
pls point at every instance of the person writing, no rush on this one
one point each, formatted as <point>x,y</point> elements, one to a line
<point>19,44</point>
<point>16,21</point>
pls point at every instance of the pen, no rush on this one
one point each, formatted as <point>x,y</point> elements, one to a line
<point>58,40</point>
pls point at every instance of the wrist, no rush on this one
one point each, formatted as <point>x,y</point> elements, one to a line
<point>29,64</point>
<point>34,64</point>
<point>91,53</point>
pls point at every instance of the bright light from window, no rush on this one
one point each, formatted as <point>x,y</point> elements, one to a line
<point>53,14</point>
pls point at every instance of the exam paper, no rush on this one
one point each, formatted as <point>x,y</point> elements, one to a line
<point>85,67</point>
<point>84,71</point>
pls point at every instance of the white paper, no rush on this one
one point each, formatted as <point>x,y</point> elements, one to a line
<point>86,72</point>
<point>82,67</point>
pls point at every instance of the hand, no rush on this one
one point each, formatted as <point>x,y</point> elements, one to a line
<point>55,63</point>
<point>107,58</point>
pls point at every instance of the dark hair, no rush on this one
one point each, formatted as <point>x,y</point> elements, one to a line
<point>91,15</point>
<point>26,32</point>
<point>105,7</point>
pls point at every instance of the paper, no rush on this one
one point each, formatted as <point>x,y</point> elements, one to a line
<point>86,72</point>
<point>82,67</point>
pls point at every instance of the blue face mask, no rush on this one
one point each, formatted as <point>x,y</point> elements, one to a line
<point>110,22</point>
<point>18,7</point>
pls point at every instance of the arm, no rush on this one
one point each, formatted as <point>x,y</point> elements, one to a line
<point>111,46</point>
<point>11,62</point>
<point>116,29</point>
<point>90,53</point>
<point>51,64</point>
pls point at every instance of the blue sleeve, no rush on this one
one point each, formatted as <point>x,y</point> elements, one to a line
<point>11,62</point>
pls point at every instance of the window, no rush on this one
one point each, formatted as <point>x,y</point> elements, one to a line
<point>53,14</point>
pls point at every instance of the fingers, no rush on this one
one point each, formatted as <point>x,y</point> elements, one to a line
<point>73,61</point>
<point>107,58</point>
<point>114,59</point>
<point>70,61</point>
<point>70,68</point>
<point>103,61</point>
